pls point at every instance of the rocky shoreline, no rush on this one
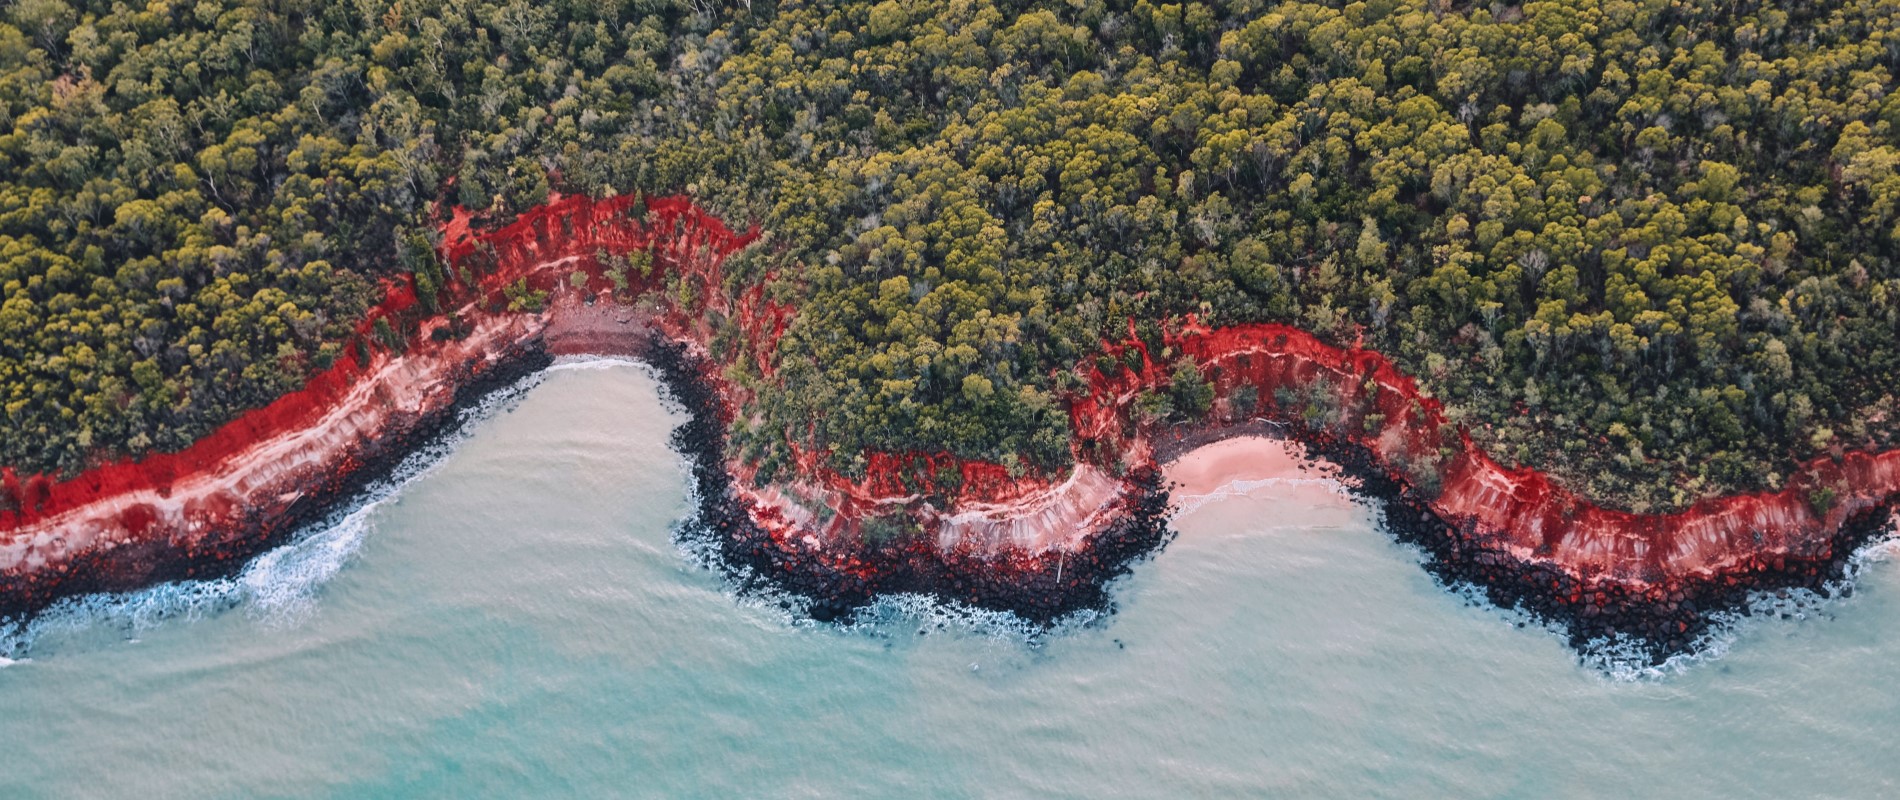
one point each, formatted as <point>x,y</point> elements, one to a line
<point>1659,621</point>
<point>1041,547</point>
<point>1041,588</point>
<point>144,563</point>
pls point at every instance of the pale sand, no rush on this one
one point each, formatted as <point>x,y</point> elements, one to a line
<point>1233,466</point>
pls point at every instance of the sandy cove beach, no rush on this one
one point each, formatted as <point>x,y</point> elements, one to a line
<point>1234,466</point>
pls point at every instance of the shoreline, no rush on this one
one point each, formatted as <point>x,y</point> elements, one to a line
<point>1042,547</point>
<point>1659,621</point>
<point>749,559</point>
<point>759,561</point>
<point>1666,621</point>
<point>142,564</point>
<point>1207,470</point>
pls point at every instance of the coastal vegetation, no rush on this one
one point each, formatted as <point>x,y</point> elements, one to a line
<point>1648,247</point>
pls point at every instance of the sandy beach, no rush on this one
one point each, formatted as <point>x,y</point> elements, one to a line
<point>1238,465</point>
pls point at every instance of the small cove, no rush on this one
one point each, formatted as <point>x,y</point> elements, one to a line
<point>517,622</point>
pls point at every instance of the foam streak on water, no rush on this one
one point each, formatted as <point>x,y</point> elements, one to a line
<point>279,587</point>
<point>519,626</point>
<point>887,614</point>
<point>1623,659</point>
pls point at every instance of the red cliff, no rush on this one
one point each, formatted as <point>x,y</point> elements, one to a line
<point>569,278</point>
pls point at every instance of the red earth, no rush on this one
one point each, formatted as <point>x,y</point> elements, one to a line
<point>236,485</point>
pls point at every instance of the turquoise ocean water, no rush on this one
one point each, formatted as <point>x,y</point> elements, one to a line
<point>516,622</point>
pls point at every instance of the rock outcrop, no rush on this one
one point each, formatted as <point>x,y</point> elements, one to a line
<point>643,277</point>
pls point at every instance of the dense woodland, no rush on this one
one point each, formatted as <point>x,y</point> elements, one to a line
<point>1649,246</point>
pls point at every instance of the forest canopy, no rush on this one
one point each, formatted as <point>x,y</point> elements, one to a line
<point>1648,246</point>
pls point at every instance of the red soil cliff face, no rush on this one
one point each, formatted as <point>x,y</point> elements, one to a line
<point>236,485</point>
<point>233,488</point>
<point>1370,403</point>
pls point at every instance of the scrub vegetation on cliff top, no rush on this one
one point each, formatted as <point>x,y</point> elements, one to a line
<point>1647,246</point>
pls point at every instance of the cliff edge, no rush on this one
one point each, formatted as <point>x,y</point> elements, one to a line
<point>640,277</point>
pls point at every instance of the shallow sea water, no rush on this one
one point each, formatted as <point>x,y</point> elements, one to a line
<point>517,623</point>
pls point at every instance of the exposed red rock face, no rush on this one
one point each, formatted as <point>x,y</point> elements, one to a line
<point>1368,402</point>
<point>916,521</point>
<point>126,524</point>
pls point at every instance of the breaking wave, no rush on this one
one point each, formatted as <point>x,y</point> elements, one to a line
<point>1620,659</point>
<point>1625,659</point>
<point>887,614</point>
<point>927,614</point>
<point>277,588</point>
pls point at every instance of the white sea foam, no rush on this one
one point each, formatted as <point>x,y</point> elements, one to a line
<point>280,586</point>
<point>886,614</point>
<point>928,614</point>
<point>700,551</point>
<point>1624,658</point>
<point>1621,659</point>
<point>277,588</point>
<point>588,362</point>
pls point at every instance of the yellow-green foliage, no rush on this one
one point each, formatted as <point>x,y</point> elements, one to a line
<point>1649,245</point>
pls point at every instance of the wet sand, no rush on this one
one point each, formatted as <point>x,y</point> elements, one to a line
<point>1230,466</point>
